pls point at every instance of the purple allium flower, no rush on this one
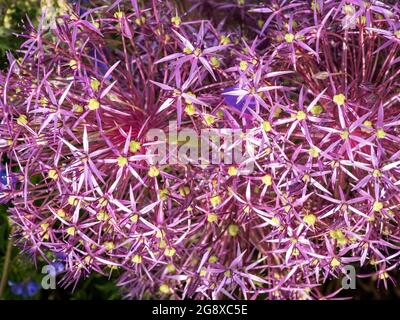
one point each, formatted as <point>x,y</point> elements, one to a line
<point>320,88</point>
<point>32,288</point>
<point>24,289</point>
<point>58,266</point>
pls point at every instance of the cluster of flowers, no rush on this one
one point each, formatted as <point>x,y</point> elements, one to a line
<point>24,289</point>
<point>316,83</point>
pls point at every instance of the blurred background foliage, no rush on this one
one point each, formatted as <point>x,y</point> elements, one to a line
<point>20,276</point>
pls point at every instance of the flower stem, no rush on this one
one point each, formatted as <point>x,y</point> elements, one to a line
<point>6,267</point>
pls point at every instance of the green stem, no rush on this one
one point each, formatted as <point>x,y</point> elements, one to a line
<point>6,267</point>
